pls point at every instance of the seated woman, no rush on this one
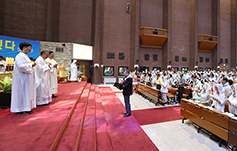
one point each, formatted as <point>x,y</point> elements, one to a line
<point>164,89</point>
<point>204,94</point>
<point>218,98</point>
<point>232,100</point>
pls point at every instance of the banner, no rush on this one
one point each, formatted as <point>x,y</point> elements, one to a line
<point>9,47</point>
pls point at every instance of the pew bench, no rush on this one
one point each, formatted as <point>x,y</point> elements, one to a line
<point>149,93</point>
<point>211,120</point>
<point>172,94</point>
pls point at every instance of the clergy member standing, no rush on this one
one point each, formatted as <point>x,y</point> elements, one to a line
<point>20,99</point>
<point>53,70</point>
<point>74,71</point>
<point>42,77</point>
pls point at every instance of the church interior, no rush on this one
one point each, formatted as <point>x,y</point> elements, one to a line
<point>80,55</point>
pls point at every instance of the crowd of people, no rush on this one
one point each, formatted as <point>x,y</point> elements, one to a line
<point>211,88</point>
<point>33,82</point>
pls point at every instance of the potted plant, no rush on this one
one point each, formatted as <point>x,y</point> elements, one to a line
<point>5,94</point>
<point>79,78</point>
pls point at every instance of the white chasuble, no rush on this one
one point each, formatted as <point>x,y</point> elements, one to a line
<point>53,71</point>
<point>43,84</point>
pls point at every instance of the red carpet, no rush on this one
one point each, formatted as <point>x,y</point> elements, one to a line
<point>125,132</point>
<point>38,130</point>
<point>157,115</point>
<point>4,112</point>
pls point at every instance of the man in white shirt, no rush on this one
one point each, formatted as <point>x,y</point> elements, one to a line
<point>53,70</point>
<point>21,84</point>
<point>43,80</point>
<point>2,64</point>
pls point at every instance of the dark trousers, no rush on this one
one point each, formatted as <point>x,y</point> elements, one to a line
<point>159,93</point>
<point>127,104</point>
<point>180,93</point>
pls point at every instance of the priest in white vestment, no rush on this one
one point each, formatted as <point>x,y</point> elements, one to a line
<point>32,86</point>
<point>43,80</point>
<point>53,70</point>
<point>21,83</point>
<point>73,71</point>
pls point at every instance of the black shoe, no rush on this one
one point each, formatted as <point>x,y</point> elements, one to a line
<point>124,113</point>
<point>25,112</point>
<point>53,96</point>
<point>127,114</point>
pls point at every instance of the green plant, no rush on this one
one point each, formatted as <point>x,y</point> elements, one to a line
<point>6,84</point>
<point>79,77</point>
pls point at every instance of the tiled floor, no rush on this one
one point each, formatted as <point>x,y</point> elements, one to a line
<point>174,135</point>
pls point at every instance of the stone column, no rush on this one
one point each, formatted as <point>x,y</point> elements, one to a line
<point>233,38</point>
<point>216,32</point>
<point>193,35</point>
<point>167,23</point>
<point>98,17</point>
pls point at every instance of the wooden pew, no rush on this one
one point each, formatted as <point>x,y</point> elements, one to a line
<point>211,120</point>
<point>149,93</point>
<point>232,129</point>
<point>172,92</point>
<point>186,92</point>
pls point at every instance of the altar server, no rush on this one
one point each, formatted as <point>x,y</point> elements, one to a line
<point>21,90</point>
<point>53,70</point>
<point>42,76</point>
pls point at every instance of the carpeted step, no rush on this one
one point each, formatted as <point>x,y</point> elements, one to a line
<point>125,132</point>
<point>39,129</point>
<point>69,137</point>
<point>103,138</point>
<point>88,131</point>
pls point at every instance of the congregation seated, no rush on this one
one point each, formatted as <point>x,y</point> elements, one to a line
<point>204,87</point>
